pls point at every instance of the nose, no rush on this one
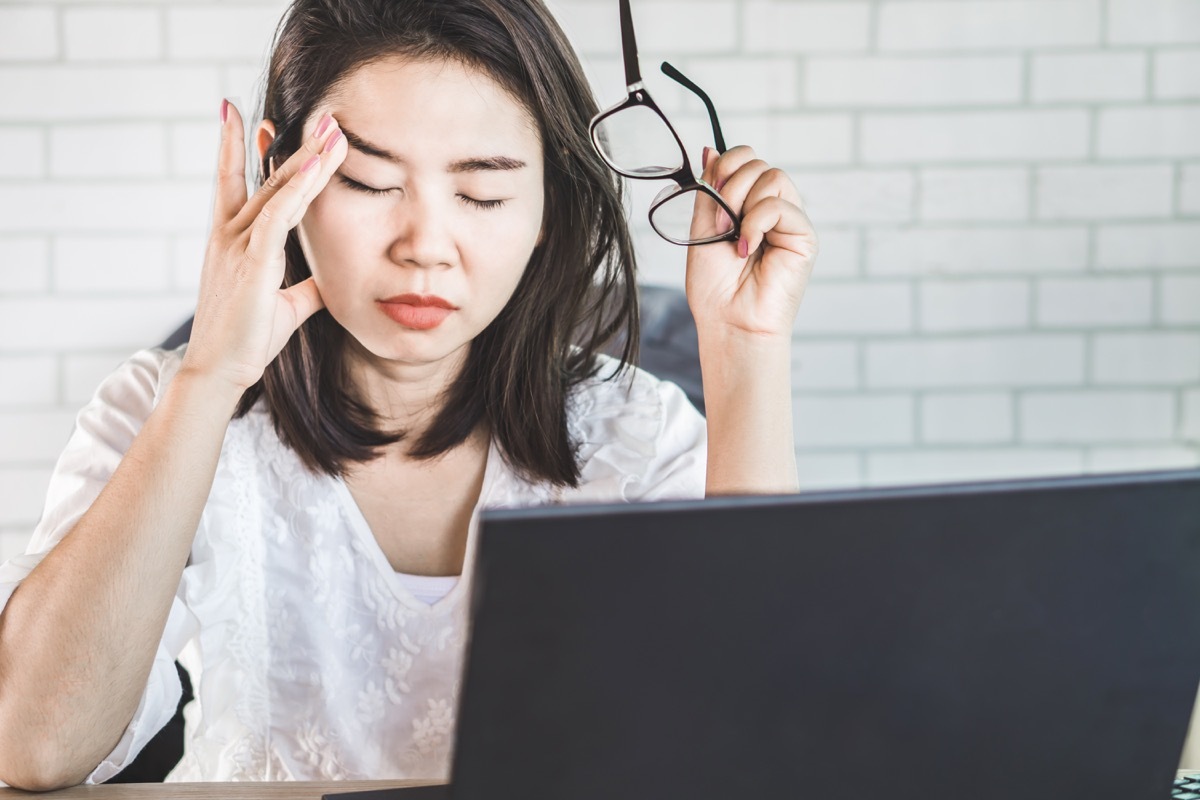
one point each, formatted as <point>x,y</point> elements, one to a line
<point>424,235</point>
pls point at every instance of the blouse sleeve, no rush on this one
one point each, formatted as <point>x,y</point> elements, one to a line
<point>104,430</point>
<point>640,439</point>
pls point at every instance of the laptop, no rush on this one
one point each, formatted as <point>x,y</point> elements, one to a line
<point>1018,639</point>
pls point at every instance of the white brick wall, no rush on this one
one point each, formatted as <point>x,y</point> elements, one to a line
<point>1007,193</point>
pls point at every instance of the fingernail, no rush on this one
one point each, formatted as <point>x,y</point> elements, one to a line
<point>325,120</point>
<point>312,162</point>
<point>707,155</point>
<point>333,140</point>
<point>719,184</point>
<point>224,110</point>
<point>743,247</point>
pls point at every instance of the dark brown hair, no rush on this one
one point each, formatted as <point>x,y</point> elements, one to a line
<point>577,293</point>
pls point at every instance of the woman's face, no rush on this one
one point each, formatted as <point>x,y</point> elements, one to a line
<point>419,265</point>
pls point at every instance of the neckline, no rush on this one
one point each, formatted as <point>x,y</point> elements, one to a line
<point>370,545</point>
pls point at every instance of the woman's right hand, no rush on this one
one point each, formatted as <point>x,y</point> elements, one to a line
<point>243,317</point>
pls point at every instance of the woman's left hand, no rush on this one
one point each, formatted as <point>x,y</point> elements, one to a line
<point>753,285</point>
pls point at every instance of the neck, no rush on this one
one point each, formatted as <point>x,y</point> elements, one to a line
<point>406,396</point>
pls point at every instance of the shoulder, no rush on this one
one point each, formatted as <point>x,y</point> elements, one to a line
<point>636,435</point>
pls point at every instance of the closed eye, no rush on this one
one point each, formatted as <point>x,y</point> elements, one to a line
<point>360,187</point>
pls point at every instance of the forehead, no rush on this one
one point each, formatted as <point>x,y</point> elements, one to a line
<point>436,107</point>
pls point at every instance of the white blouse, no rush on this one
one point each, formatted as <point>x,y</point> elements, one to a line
<point>310,657</point>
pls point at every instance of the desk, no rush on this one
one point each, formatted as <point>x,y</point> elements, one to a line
<point>296,790</point>
<point>248,790</point>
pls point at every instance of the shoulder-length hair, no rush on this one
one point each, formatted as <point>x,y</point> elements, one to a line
<point>577,293</point>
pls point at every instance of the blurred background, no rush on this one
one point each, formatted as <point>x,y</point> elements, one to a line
<point>1007,194</point>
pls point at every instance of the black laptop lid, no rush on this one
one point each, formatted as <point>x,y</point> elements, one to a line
<point>1028,639</point>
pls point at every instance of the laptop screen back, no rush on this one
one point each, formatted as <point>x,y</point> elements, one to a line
<point>1032,639</point>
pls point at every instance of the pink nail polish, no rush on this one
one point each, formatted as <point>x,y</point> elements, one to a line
<point>706,156</point>
<point>743,248</point>
<point>312,162</point>
<point>333,140</point>
<point>224,110</point>
<point>323,126</point>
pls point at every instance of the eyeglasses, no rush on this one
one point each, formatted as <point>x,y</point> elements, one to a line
<point>635,139</point>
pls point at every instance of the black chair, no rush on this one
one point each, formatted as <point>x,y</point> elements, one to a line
<point>669,349</point>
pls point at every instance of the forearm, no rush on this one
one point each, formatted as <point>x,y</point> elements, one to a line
<point>79,636</point>
<point>748,404</point>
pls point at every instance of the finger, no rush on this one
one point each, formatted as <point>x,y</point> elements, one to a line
<point>304,298</point>
<point>230,194</point>
<point>772,182</point>
<point>280,214</point>
<point>780,223</point>
<point>311,145</point>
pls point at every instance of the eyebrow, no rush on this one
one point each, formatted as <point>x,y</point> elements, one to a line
<point>475,164</point>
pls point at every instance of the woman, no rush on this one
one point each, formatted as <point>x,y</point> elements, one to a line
<point>287,504</point>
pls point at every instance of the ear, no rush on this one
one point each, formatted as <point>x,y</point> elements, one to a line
<point>264,134</point>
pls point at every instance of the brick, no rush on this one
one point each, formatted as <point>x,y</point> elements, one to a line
<point>34,438</point>
<point>883,81</point>
<point>856,195</point>
<point>25,153</point>
<point>1095,302</point>
<point>1180,303</point>
<point>188,261</point>
<point>819,27</point>
<point>36,325</point>
<point>974,305</point>
<point>28,34</point>
<point>211,32</point>
<point>61,93</point>
<point>976,251</point>
<point>1023,136</point>
<point>961,465</point>
<point>967,418</point>
<point>1146,358</point>
<point>108,151</point>
<point>852,420</point>
<point>1159,132</point>
<point>1104,192</point>
<point>24,264</point>
<point>110,265</point>
<point>1164,246</point>
<point>839,253</point>
<point>1160,22</point>
<point>1189,190</point>
<point>824,365</point>
<point>1141,459</point>
<point>995,193</point>
<point>954,25</point>
<point>1190,425</point>
<point>82,374</point>
<point>828,470</point>
<point>803,140</point>
<point>112,34</point>
<point>28,381</point>
<point>750,83</point>
<point>593,26</point>
<point>1096,417</point>
<point>977,362</point>
<point>125,206</point>
<point>1177,75</point>
<point>22,495</point>
<point>659,262</point>
<point>839,308</point>
<point>1088,77</point>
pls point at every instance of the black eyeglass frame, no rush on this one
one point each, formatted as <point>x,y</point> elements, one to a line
<point>684,178</point>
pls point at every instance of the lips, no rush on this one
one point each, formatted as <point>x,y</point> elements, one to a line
<point>419,312</point>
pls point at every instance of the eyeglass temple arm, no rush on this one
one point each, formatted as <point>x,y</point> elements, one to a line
<point>633,73</point>
<point>680,78</point>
